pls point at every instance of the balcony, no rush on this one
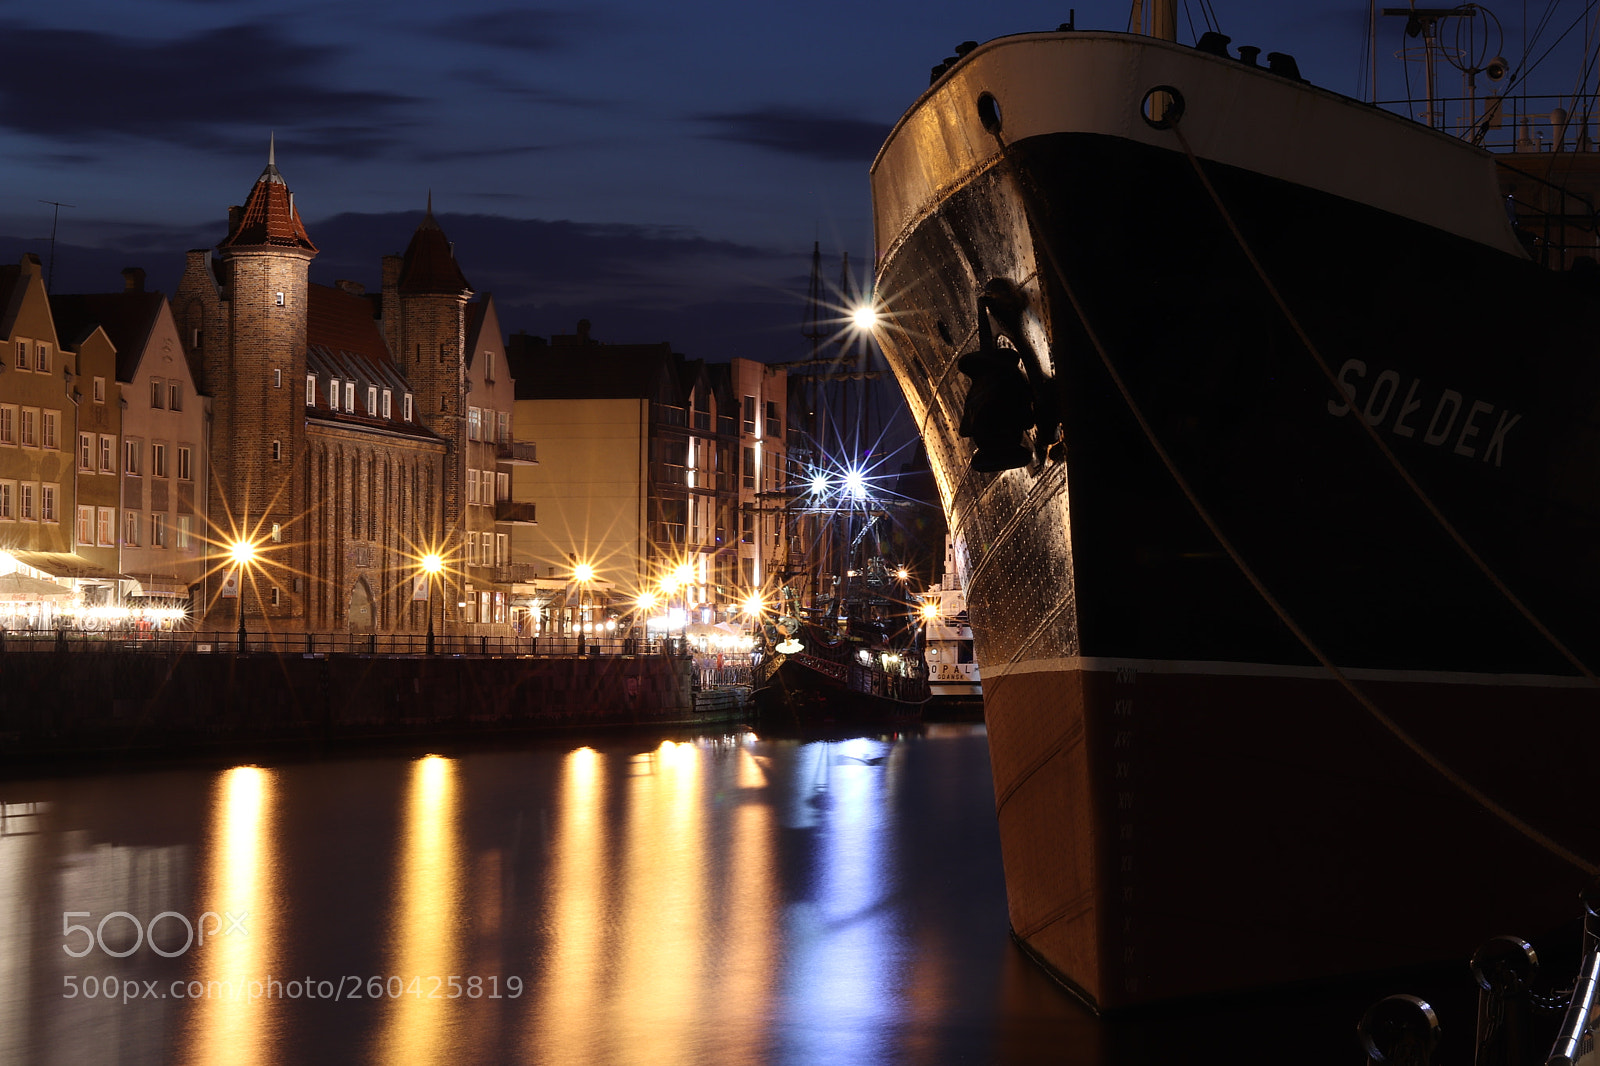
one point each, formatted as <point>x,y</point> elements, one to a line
<point>517,452</point>
<point>515,573</point>
<point>512,511</point>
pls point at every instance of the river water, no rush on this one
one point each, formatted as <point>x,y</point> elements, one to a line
<point>715,898</point>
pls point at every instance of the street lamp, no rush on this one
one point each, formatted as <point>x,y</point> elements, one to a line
<point>432,564</point>
<point>241,552</point>
<point>582,575</point>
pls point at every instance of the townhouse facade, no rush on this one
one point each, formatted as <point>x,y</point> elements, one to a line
<point>340,434</point>
<point>648,472</point>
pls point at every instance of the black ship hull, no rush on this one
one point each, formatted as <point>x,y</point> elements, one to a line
<point>830,686</point>
<point>1189,799</point>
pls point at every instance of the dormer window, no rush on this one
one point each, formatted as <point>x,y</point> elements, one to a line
<point>333,395</point>
<point>311,390</point>
<point>407,407</point>
<point>387,407</point>
<point>372,399</point>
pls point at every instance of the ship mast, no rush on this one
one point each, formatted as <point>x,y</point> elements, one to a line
<point>1163,19</point>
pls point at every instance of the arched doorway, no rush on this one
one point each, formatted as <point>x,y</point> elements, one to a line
<point>360,613</point>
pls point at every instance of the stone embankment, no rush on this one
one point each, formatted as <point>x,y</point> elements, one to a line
<point>65,702</point>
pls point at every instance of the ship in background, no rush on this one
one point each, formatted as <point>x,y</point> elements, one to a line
<point>840,643</point>
<point>1267,426</point>
<point>954,680</point>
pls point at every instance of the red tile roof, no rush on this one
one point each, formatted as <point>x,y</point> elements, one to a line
<point>269,218</point>
<point>344,322</point>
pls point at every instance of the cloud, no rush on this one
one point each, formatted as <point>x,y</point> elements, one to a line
<point>638,284</point>
<point>517,29</point>
<point>445,155</point>
<point>796,131</point>
<point>183,90</point>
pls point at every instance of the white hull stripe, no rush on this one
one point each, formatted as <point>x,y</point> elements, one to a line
<point>1101,664</point>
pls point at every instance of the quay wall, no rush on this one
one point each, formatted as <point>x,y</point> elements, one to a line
<point>69,701</point>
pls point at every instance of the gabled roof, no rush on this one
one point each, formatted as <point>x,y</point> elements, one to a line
<point>10,297</point>
<point>343,342</point>
<point>127,318</point>
<point>268,217</point>
<point>343,321</point>
<point>429,265</point>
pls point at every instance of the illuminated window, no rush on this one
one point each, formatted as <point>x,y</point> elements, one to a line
<point>105,527</point>
<point>185,532</point>
<point>47,502</point>
<point>85,525</point>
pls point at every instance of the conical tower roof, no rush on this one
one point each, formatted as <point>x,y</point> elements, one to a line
<point>430,263</point>
<point>268,216</point>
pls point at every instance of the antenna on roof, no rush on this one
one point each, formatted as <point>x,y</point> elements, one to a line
<point>272,148</point>
<point>50,271</point>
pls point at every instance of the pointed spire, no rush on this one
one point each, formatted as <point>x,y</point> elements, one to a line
<point>268,217</point>
<point>271,172</point>
<point>430,262</point>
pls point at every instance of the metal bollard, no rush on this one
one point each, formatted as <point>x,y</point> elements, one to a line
<point>1504,968</point>
<point>1399,1031</point>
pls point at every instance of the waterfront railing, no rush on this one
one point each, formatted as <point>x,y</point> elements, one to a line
<point>314,645</point>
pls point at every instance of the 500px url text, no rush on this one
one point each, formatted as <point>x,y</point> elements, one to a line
<point>347,987</point>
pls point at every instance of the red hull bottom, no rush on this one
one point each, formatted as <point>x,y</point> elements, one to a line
<point>1174,829</point>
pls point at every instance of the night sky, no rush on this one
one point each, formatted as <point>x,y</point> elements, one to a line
<point>661,169</point>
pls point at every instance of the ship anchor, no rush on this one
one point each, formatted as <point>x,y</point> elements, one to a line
<point>1003,402</point>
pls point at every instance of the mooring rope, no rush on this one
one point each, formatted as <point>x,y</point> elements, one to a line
<point>1434,762</point>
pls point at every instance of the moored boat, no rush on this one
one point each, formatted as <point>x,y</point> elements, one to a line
<point>1265,424</point>
<point>954,678</point>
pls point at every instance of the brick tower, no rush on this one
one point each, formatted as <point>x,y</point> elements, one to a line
<point>248,340</point>
<point>425,323</point>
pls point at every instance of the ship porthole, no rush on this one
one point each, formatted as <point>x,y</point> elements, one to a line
<point>989,112</point>
<point>1161,107</point>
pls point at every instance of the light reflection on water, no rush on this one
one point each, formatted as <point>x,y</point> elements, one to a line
<point>428,915</point>
<point>712,899</point>
<point>229,1026</point>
